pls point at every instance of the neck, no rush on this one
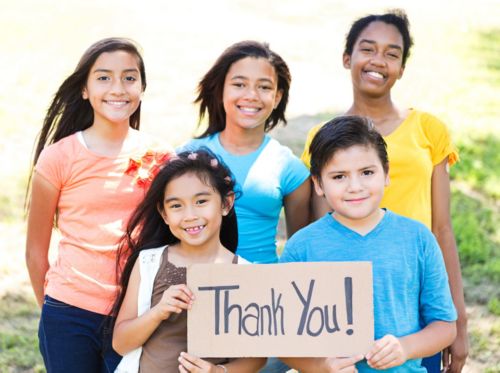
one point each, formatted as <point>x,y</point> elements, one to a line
<point>362,226</point>
<point>376,108</point>
<point>241,141</point>
<point>207,253</point>
<point>109,140</point>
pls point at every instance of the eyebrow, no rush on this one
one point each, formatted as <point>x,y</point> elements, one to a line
<point>361,169</point>
<point>246,78</point>
<point>174,198</point>
<point>134,70</point>
<point>394,46</point>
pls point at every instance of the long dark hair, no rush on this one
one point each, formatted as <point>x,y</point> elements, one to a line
<point>146,228</point>
<point>211,86</point>
<point>69,112</point>
<point>395,17</point>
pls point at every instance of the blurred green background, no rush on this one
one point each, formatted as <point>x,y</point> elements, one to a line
<point>453,72</point>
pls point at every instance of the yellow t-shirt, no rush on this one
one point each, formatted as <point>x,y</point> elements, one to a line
<point>419,143</point>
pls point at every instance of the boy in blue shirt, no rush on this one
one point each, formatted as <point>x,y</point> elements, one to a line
<point>413,309</point>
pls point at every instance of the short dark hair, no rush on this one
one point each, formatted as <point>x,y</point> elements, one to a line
<point>341,133</point>
<point>211,86</point>
<point>396,17</point>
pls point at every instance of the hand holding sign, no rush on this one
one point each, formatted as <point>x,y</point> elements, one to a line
<point>387,352</point>
<point>175,299</point>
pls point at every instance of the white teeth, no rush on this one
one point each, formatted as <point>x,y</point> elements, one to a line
<point>375,74</point>
<point>117,103</point>
<point>194,229</point>
<point>249,109</point>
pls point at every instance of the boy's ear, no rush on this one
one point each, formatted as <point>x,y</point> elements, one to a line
<point>346,61</point>
<point>227,204</point>
<point>318,188</point>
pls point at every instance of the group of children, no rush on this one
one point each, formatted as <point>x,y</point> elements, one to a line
<point>133,214</point>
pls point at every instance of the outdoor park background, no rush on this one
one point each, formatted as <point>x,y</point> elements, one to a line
<point>453,72</point>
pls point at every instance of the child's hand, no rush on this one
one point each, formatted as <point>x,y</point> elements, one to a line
<point>190,363</point>
<point>175,299</point>
<point>343,364</point>
<point>387,352</point>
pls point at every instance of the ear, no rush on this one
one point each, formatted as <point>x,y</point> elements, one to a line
<point>162,213</point>
<point>227,204</point>
<point>346,61</point>
<point>85,94</point>
<point>401,71</point>
<point>277,98</point>
<point>318,188</point>
<point>387,179</point>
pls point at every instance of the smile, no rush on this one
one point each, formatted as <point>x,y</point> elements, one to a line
<point>115,103</point>
<point>194,230</point>
<point>356,200</point>
<point>375,74</point>
<point>248,110</point>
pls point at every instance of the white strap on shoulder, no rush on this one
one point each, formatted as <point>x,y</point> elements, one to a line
<point>149,263</point>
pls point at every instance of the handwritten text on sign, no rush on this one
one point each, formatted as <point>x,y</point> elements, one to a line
<point>294,309</point>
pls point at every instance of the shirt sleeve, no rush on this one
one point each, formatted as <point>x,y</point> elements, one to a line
<point>52,165</point>
<point>440,139</point>
<point>436,303</point>
<point>306,156</point>
<point>290,253</point>
<point>295,173</point>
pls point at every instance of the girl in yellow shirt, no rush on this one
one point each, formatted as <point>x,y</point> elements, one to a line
<point>419,147</point>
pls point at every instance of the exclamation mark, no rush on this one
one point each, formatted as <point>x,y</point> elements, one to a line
<point>348,302</point>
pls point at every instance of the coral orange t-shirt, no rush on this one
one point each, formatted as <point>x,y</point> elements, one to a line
<point>97,196</point>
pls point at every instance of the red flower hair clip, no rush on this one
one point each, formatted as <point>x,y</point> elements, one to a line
<point>147,167</point>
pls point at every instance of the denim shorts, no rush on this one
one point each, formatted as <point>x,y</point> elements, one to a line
<point>75,340</point>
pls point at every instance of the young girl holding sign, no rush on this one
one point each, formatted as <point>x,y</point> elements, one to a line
<point>187,217</point>
<point>91,166</point>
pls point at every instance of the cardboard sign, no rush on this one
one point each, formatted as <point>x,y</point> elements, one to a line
<point>287,310</point>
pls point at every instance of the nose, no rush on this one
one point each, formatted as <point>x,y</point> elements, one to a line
<point>355,184</point>
<point>251,93</point>
<point>190,213</point>
<point>377,59</point>
<point>117,87</point>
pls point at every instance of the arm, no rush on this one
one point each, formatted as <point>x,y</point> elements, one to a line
<point>132,331</point>
<point>323,365</point>
<point>297,208</point>
<point>442,229</point>
<point>191,363</point>
<point>43,205</point>
<point>389,351</point>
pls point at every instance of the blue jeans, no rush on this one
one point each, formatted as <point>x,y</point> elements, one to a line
<point>75,340</point>
<point>432,363</point>
<point>274,365</point>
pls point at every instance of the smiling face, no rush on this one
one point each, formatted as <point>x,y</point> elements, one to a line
<point>114,87</point>
<point>250,94</point>
<point>353,182</point>
<point>376,59</point>
<point>193,211</point>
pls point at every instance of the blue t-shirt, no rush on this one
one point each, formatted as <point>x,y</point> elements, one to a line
<point>410,284</point>
<point>263,178</point>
